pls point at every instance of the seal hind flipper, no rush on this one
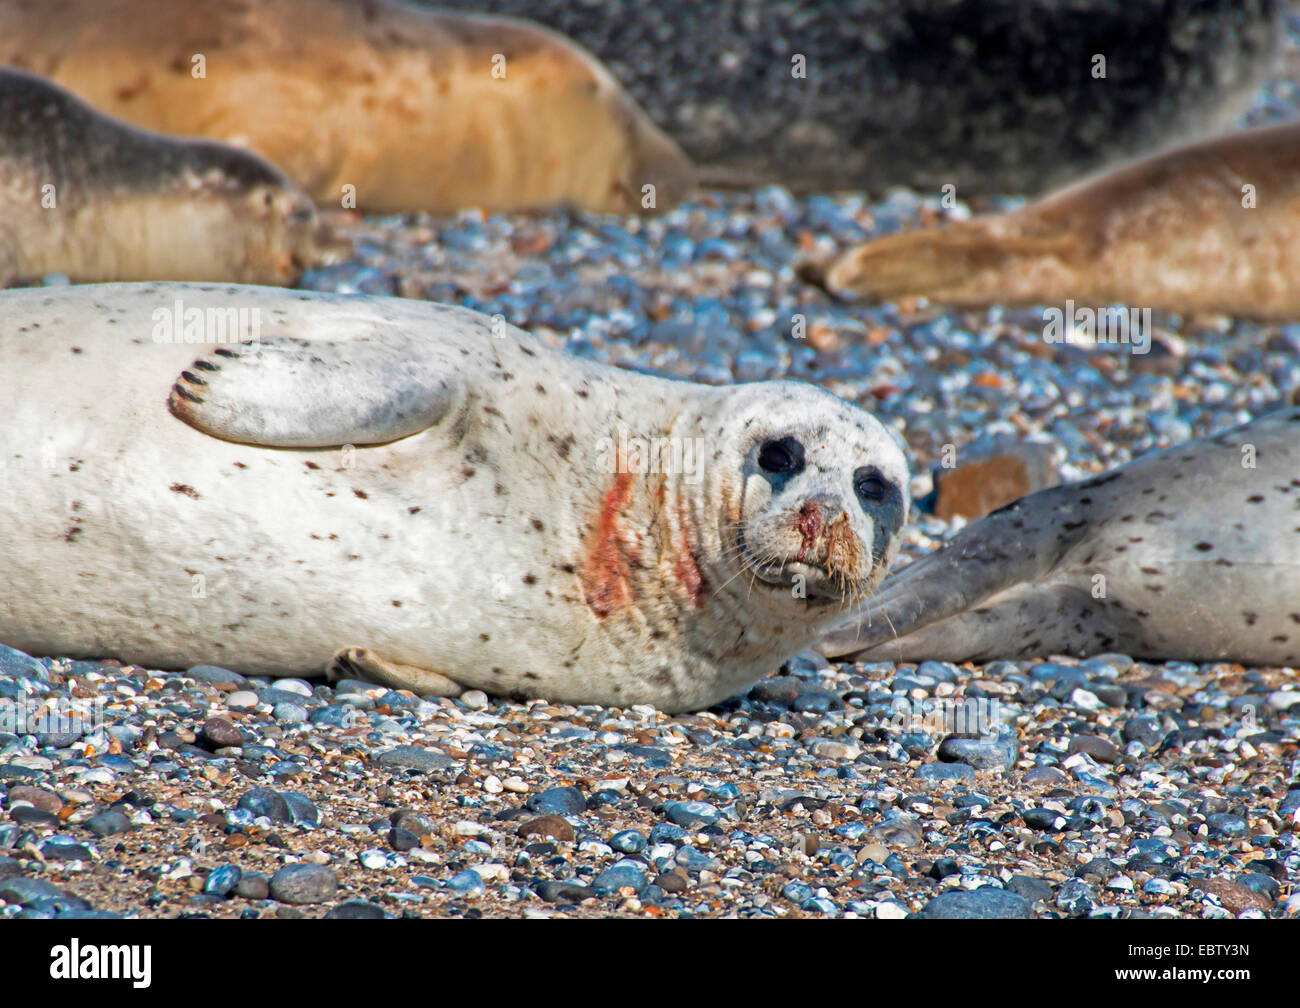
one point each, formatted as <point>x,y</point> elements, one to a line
<point>293,393</point>
<point>364,664</point>
<point>933,264</point>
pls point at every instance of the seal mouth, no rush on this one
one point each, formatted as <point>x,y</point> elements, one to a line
<point>780,573</point>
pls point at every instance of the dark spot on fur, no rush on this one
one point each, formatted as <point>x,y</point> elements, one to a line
<point>182,488</point>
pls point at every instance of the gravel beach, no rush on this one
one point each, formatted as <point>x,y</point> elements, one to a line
<point>1098,788</point>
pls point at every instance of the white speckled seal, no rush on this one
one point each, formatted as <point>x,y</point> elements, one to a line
<point>1189,553</point>
<point>418,494</point>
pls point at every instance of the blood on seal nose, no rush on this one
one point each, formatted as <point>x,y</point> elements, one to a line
<point>809,526</point>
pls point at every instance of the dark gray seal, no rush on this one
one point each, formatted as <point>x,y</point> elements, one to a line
<point>93,198</point>
<point>1188,553</point>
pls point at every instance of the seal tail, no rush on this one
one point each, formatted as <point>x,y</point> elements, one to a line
<point>940,265</point>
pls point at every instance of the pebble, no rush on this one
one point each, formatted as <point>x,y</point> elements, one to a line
<point>691,814</point>
<point>253,886</point>
<point>301,884</point>
<point>222,880</point>
<point>415,758</point>
<point>552,826</point>
<point>628,842</point>
<point>558,801</point>
<point>621,874</point>
<point>976,904</point>
<point>357,910</point>
<point>467,883</point>
<point>242,700</point>
<point>999,752</point>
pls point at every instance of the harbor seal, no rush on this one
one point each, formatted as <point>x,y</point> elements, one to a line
<point>417,493</point>
<point>1213,226</point>
<point>92,198</point>
<point>1190,553</point>
<point>375,105</point>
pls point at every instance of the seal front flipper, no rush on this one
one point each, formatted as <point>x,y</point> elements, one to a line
<point>294,393</point>
<point>364,664</point>
<point>1016,545</point>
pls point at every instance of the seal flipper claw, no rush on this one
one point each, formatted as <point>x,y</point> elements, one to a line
<point>364,664</point>
<point>283,392</point>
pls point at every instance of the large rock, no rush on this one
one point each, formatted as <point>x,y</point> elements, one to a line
<point>996,96</point>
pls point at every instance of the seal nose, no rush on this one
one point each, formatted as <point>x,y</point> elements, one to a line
<point>814,516</point>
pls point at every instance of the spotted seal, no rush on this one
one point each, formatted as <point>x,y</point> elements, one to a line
<point>278,481</point>
<point>1188,553</point>
<point>1212,226</point>
<point>373,104</point>
<point>90,197</point>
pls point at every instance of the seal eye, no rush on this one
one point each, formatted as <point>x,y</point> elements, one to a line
<point>870,488</point>
<point>784,456</point>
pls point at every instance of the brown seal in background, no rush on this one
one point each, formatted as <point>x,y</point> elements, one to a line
<point>1175,231</point>
<point>416,109</point>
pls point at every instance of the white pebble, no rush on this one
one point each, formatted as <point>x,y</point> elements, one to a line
<point>492,784</point>
<point>474,699</point>
<point>516,784</point>
<point>467,828</point>
<point>242,699</point>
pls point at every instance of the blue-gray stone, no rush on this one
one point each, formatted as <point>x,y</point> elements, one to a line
<point>467,883</point>
<point>946,772</point>
<point>302,811</point>
<point>23,890</point>
<point>1290,804</point>
<point>357,910</point>
<point>620,875</point>
<point>558,801</point>
<point>333,716</point>
<point>1223,824</point>
<point>1075,896</point>
<point>215,674</point>
<point>1035,890</point>
<point>797,892</point>
<point>290,711</point>
<point>63,850</point>
<point>696,861</point>
<point>667,833</point>
<point>221,881</point>
<point>416,758</point>
<point>299,884</point>
<point>553,891</point>
<point>1043,819</point>
<point>1266,885</point>
<point>987,752</point>
<point>984,903</point>
<point>265,802</point>
<point>108,822</point>
<point>628,842</point>
<point>691,814</point>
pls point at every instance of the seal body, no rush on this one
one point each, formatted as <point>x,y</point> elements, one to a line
<point>1213,226</point>
<point>93,198</point>
<point>1188,553</point>
<point>413,109</point>
<point>415,492</point>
